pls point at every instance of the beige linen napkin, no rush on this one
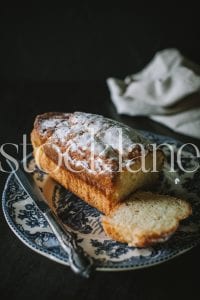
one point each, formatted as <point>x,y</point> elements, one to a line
<point>167,90</point>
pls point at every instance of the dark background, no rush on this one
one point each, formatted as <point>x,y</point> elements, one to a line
<point>90,41</point>
<point>57,58</point>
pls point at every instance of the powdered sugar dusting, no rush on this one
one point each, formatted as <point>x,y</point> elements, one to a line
<point>49,123</point>
<point>82,133</point>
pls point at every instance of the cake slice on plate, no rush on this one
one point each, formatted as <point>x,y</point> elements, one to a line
<point>145,218</point>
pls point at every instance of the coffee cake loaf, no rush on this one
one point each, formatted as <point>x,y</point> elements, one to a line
<point>98,159</point>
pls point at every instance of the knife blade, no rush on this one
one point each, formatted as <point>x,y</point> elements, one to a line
<point>79,261</point>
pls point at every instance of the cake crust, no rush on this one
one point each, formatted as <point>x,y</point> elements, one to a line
<point>96,178</point>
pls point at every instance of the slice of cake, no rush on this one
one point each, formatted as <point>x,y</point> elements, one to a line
<point>145,218</point>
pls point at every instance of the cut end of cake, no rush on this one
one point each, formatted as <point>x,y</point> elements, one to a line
<point>145,218</point>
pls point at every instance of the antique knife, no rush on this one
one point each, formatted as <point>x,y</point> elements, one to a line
<point>79,261</point>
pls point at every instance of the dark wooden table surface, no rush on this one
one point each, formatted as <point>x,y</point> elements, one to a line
<point>25,274</point>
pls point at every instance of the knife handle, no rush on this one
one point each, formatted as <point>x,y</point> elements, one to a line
<point>79,261</point>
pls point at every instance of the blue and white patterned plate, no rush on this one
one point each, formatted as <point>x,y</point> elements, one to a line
<point>30,227</point>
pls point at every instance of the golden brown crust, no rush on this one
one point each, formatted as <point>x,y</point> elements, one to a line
<point>100,189</point>
<point>91,194</point>
<point>100,180</point>
<point>104,201</point>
